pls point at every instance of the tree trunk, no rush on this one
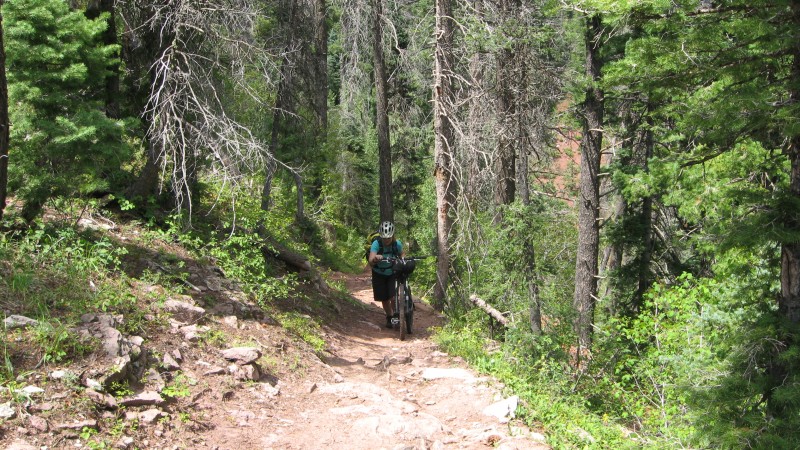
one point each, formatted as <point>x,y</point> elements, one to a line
<point>476,119</point>
<point>444,136</point>
<point>382,117</point>
<point>535,308</point>
<point>282,103</point>
<point>644,278</point>
<point>506,152</point>
<point>613,256</point>
<point>140,51</point>
<point>277,121</point>
<point>321,64</point>
<point>93,10</point>
<point>4,122</point>
<point>146,184</point>
<point>535,304</point>
<point>589,202</point>
<point>506,112</point>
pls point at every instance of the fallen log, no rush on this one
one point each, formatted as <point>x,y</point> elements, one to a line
<point>495,314</point>
<point>291,258</point>
<point>278,251</point>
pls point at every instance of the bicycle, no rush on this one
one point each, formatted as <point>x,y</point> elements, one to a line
<point>403,301</point>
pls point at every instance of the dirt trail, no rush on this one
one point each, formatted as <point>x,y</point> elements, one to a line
<point>374,391</point>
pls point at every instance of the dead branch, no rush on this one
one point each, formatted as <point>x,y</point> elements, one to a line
<point>495,314</point>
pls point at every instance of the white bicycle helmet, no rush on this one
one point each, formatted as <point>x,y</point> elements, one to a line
<point>386,230</point>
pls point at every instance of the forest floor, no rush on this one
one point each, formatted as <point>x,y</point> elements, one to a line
<point>366,390</point>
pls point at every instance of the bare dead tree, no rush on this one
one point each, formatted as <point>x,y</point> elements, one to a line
<point>444,138</point>
<point>503,106</point>
<point>199,42</point>
<point>586,266</point>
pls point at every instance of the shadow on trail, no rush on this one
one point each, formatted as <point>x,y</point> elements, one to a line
<point>357,335</point>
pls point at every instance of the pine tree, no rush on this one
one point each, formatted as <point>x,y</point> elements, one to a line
<point>63,144</point>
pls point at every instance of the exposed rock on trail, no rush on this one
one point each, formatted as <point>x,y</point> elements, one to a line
<point>216,373</point>
<point>380,392</point>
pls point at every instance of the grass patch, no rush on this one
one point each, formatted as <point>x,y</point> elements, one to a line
<point>304,327</point>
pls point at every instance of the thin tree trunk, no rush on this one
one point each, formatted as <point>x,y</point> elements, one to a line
<point>277,120</point>
<point>282,105</point>
<point>535,308</point>
<point>141,52</point>
<point>444,136</point>
<point>506,151</point>
<point>586,268</point>
<point>645,259</point>
<point>534,301</point>
<point>4,121</point>
<point>382,117</point>
<point>471,158</point>
<point>506,112</point>
<point>93,10</point>
<point>613,255</point>
<point>321,63</point>
<point>789,300</point>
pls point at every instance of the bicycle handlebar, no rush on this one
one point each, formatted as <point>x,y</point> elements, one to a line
<point>407,258</point>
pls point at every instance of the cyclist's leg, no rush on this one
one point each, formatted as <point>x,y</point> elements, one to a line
<point>388,306</point>
<point>392,300</point>
<point>381,292</point>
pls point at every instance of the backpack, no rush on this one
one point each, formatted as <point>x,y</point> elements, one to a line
<point>375,236</point>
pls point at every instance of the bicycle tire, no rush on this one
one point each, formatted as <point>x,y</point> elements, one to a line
<point>409,315</point>
<point>401,294</point>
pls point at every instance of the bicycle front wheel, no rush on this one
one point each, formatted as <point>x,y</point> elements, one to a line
<point>401,295</point>
<point>409,308</point>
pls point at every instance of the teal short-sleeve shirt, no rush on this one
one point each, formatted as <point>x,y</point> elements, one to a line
<point>390,251</point>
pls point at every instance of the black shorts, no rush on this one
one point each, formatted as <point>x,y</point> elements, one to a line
<point>382,287</point>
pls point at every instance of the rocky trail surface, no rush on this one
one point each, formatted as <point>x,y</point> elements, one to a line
<point>383,393</point>
<point>209,370</point>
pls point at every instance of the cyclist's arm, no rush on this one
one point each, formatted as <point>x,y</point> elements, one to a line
<point>373,258</point>
<point>373,255</point>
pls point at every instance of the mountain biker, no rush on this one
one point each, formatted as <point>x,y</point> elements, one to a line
<point>383,277</point>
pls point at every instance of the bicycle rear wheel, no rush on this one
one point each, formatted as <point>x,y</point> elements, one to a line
<point>401,296</point>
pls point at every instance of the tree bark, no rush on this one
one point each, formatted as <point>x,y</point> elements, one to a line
<point>382,117</point>
<point>506,152</point>
<point>506,85</point>
<point>282,103</point>
<point>321,64</point>
<point>278,111</point>
<point>645,278</point>
<point>586,267</point>
<point>141,48</point>
<point>4,121</point>
<point>444,136</point>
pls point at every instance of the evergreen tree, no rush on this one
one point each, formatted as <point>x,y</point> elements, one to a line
<point>63,144</point>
